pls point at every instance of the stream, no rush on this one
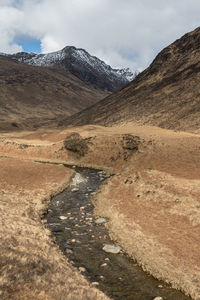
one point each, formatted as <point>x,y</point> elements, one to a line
<point>70,219</point>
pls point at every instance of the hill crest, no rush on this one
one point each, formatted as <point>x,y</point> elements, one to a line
<point>166,94</point>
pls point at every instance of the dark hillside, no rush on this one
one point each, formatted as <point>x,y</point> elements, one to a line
<point>33,96</point>
<point>166,94</point>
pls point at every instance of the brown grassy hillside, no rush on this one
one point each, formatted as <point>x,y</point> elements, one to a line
<point>32,96</point>
<point>166,94</point>
<point>152,203</point>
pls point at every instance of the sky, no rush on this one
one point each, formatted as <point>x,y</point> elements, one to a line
<point>123,33</point>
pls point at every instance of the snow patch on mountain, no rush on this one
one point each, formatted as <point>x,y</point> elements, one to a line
<point>82,55</point>
<point>80,63</point>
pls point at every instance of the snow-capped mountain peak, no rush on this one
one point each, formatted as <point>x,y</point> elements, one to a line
<point>81,64</point>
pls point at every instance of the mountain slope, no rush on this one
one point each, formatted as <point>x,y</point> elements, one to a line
<point>166,94</point>
<point>80,63</point>
<point>32,96</point>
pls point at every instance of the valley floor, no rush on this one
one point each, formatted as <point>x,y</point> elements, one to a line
<point>152,202</point>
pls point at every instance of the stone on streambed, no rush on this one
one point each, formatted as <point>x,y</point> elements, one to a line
<point>95,283</point>
<point>104,265</point>
<point>63,218</point>
<point>77,179</point>
<point>112,249</point>
<point>82,269</point>
<point>89,219</point>
<point>75,190</point>
<point>68,251</point>
<point>158,298</point>
<point>100,221</point>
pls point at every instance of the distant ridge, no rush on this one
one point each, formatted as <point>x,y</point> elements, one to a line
<point>80,63</point>
<point>166,94</point>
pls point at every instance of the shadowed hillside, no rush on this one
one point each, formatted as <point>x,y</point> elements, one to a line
<point>33,96</point>
<point>166,94</point>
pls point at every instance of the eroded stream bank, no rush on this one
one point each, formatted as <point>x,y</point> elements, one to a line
<point>70,219</point>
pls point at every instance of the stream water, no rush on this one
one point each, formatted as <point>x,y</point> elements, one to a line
<point>70,219</point>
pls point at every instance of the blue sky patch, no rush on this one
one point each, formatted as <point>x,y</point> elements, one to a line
<point>16,3</point>
<point>29,44</point>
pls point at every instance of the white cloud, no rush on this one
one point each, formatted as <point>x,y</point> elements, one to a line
<point>122,32</point>
<point>11,21</point>
<point>6,2</point>
<point>49,44</point>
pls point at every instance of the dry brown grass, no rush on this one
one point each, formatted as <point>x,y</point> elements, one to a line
<point>31,265</point>
<point>152,201</point>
